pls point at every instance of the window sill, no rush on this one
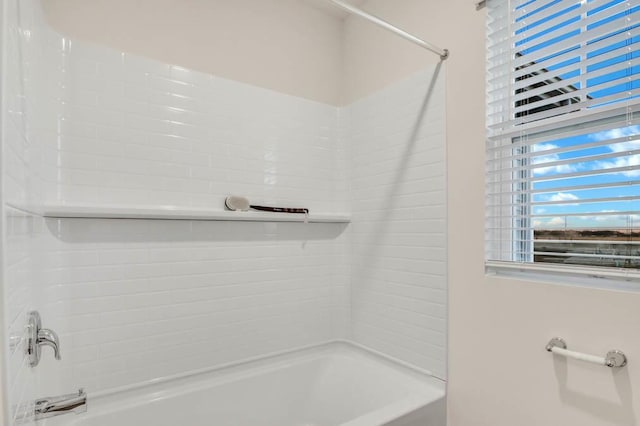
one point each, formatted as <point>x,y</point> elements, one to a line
<point>602,278</point>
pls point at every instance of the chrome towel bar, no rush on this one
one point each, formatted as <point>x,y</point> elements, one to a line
<point>613,358</point>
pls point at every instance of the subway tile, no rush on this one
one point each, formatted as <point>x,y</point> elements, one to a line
<point>399,250</point>
<point>126,296</point>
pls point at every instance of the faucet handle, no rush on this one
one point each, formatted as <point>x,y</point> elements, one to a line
<point>38,337</point>
<point>48,337</point>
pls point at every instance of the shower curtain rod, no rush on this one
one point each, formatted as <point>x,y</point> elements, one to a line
<point>444,53</point>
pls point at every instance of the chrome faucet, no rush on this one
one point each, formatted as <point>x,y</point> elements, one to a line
<point>57,405</point>
<point>48,337</point>
<point>38,337</point>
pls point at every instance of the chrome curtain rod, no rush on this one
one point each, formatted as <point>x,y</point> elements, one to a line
<point>444,53</point>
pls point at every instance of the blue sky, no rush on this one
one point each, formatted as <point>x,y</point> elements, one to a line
<point>582,196</point>
<point>575,208</point>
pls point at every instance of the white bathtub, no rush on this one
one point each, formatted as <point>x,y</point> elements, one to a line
<point>336,384</point>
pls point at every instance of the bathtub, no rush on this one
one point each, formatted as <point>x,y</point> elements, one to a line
<point>336,384</point>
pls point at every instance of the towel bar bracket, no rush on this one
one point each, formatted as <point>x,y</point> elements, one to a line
<point>556,342</point>
<point>615,359</point>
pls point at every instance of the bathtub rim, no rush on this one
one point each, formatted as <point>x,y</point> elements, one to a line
<point>140,394</point>
<point>270,358</point>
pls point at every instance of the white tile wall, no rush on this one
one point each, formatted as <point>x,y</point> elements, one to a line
<point>24,61</point>
<point>131,300</point>
<point>134,130</point>
<point>135,300</point>
<point>398,278</point>
<point>21,274</point>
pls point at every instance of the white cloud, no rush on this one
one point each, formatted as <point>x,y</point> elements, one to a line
<point>612,219</point>
<point>621,147</point>
<point>560,168</point>
<point>625,146</point>
<point>616,133</point>
<point>549,158</point>
<point>563,196</point>
<point>555,221</point>
<point>605,218</point>
<point>629,161</point>
<point>544,147</point>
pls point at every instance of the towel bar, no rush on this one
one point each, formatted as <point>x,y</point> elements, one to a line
<point>613,358</point>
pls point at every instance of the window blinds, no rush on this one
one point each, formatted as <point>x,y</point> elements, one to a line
<point>563,120</point>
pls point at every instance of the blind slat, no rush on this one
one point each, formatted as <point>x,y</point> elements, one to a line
<point>508,150</point>
<point>574,188</point>
<point>542,77</point>
<point>504,69</point>
<point>581,201</point>
<point>560,57</point>
<point>587,109</point>
<point>589,41</point>
<point>557,33</point>
<point>594,124</point>
<point>568,161</point>
<point>543,25</point>
<point>560,176</point>
<point>578,214</point>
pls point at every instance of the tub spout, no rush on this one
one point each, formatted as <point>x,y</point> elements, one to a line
<point>54,406</point>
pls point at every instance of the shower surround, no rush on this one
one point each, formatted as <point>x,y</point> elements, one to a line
<point>130,299</point>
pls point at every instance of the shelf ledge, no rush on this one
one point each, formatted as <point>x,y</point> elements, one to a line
<point>179,213</point>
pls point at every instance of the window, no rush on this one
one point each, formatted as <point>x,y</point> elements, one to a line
<point>563,139</point>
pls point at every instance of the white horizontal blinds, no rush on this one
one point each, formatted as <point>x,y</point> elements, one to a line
<point>563,118</point>
<point>566,58</point>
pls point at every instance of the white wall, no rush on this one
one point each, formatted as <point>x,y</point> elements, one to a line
<point>499,373</point>
<point>22,267</point>
<point>139,131</point>
<point>136,300</point>
<point>136,131</point>
<point>125,129</point>
<point>120,129</point>
<point>286,45</point>
<point>24,67</point>
<point>398,279</point>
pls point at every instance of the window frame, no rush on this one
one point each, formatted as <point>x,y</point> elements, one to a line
<point>524,268</point>
<point>521,245</point>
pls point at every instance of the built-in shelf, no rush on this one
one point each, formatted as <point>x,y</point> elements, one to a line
<point>179,213</point>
